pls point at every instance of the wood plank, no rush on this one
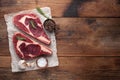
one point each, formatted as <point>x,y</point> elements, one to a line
<point>88,36</point>
<point>4,3</point>
<point>80,37</point>
<point>66,8</point>
<point>76,64</point>
<point>100,8</point>
<point>83,8</point>
<point>47,74</point>
<point>3,38</point>
<point>17,8</point>
<point>55,1</point>
<point>71,68</point>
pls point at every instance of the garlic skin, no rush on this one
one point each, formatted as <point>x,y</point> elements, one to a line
<point>31,64</point>
<point>22,64</point>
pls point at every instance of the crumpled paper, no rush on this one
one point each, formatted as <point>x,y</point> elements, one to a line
<point>52,60</point>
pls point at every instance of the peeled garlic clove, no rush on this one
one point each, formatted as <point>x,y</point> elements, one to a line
<point>22,64</point>
<point>42,62</point>
<point>31,65</point>
<point>28,64</point>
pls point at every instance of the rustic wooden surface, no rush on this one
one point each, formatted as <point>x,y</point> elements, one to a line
<point>88,40</point>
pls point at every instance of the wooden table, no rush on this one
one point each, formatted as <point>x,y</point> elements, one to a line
<point>88,41</point>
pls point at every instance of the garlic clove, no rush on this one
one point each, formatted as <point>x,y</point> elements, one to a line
<point>31,64</point>
<point>28,64</point>
<point>22,64</point>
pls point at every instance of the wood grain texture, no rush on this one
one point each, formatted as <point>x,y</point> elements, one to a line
<point>87,68</point>
<point>47,74</point>
<point>88,45</point>
<point>83,63</point>
<point>66,8</point>
<point>89,36</point>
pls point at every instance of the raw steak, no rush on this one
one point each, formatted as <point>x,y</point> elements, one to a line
<point>31,24</point>
<point>27,49</point>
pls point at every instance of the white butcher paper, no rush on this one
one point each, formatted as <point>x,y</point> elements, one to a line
<point>52,60</point>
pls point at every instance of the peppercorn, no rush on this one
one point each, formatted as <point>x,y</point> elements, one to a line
<point>49,25</point>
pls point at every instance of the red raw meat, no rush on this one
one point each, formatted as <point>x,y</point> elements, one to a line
<point>31,24</point>
<point>27,49</point>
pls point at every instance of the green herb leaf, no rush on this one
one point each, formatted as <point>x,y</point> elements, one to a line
<point>41,12</point>
<point>20,38</point>
<point>32,23</point>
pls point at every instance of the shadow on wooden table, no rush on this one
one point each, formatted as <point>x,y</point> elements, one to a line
<point>72,10</point>
<point>46,74</point>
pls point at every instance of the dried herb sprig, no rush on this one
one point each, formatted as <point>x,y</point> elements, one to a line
<point>32,23</point>
<point>41,12</point>
<point>20,38</point>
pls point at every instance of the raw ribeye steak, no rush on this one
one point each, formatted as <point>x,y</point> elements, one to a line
<point>27,49</point>
<point>31,24</point>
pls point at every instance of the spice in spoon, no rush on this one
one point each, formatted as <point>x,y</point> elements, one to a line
<point>49,24</point>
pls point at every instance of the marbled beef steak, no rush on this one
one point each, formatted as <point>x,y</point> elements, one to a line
<point>31,24</point>
<point>27,49</point>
